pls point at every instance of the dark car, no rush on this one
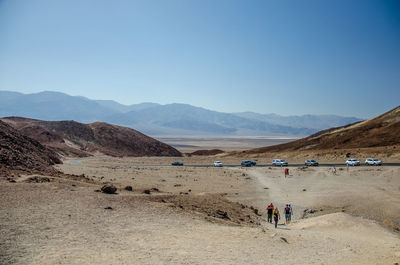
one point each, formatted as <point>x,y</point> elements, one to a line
<point>248,163</point>
<point>177,163</point>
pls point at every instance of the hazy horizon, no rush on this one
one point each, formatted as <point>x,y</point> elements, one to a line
<point>285,57</point>
<point>243,111</point>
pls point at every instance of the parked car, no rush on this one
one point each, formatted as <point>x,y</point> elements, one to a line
<point>217,164</point>
<point>352,162</point>
<point>373,162</point>
<point>279,162</point>
<point>311,162</point>
<point>248,163</point>
<point>177,163</point>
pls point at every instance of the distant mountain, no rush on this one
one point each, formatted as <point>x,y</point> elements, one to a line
<point>317,122</point>
<point>77,139</point>
<point>161,120</point>
<point>194,120</point>
<point>380,135</point>
<point>111,104</point>
<point>52,106</point>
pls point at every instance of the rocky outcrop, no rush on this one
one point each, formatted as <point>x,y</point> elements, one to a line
<point>77,139</point>
<point>20,152</point>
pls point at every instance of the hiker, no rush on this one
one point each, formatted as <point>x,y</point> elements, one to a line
<point>334,170</point>
<point>287,214</point>
<point>286,172</point>
<point>277,216</point>
<point>270,210</point>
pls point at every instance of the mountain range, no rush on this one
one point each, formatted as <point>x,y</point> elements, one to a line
<point>162,120</point>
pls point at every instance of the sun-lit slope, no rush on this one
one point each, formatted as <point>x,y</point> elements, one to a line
<point>78,139</point>
<point>381,131</point>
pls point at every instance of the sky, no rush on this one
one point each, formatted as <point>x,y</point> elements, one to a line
<point>286,57</point>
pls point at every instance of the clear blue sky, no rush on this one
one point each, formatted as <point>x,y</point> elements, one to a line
<point>287,57</point>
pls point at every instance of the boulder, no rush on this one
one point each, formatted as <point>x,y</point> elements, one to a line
<point>109,189</point>
<point>128,188</point>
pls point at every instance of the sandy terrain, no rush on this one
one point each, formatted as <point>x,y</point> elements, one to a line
<point>65,221</point>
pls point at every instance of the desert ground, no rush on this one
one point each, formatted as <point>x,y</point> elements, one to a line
<point>200,215</point>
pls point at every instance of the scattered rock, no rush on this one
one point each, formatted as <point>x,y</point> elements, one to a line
<point>37,180</point>
<point>304,190</point>
<point>147,191</point>
<point>311,211</point>
<point>266,188</point>
<point>128,188</point>
<point>222,214</point>
<point>177,185</point>
<point>155,189</point>
<point>109,189</point>
<point>97,190</point>
<point>284,240</point>
<point>256,212</point>
<point>108,208</point>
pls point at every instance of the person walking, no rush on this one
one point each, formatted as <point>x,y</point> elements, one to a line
<point>277,216</point>
<point>287,214</point>
<point>270,210</point>
<point>286,172</point>
<point>334,170</point>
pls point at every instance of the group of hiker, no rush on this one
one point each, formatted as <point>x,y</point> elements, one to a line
<point>273,211</point>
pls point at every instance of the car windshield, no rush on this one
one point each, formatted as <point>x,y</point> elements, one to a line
<point>376,159</point>
<point>313,161</point>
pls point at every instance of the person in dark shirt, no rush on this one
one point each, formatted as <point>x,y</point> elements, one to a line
<point>270,210</point>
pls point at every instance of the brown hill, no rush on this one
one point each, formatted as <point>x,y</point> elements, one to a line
<point>19,152</point>
<point>211,152</point>
<point>76,139</point>
<point>377,135</point>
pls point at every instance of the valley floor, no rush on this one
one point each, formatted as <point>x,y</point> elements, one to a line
<point>65,221</point>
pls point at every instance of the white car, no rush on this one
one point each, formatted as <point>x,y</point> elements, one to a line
<point>279,162</point>
<point>352,162</point>
<point>373,162</point>
<point>217,164</point>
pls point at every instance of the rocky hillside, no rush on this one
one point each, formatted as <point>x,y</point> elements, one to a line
<point>19,152</point>
<point>379,133</point>
<point>76,139</point>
